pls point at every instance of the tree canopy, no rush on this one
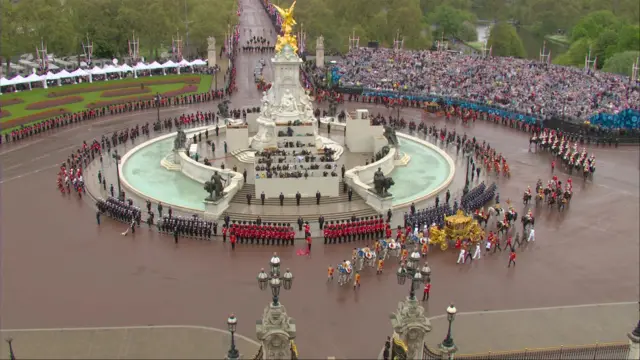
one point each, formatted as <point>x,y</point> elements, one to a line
<point>63,25</point>
<point>372,20</point>
<point>505,41</point>
<point>605,35</point>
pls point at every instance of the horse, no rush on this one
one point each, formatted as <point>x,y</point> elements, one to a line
<point>481,219</point>
<point>539,199</point>
<point>561,204</point>
<point>527,221</point>
<point>502,226</point>
<point>512,215</point>
<point>526,198</point>
<point>495,211</point>
<point>551,201</point>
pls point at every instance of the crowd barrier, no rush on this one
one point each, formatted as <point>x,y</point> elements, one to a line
<point>626,119</point>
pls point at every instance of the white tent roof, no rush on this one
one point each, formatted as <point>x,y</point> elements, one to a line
<point>154,65</point>
<point>4,81</point>
<point>140,66</point>
<point>184,62</point>
<point>125,68</point>
<point>198,62</point>
<point>64,74</point>
<point>33,78</point>
<point>79,72</point>
<point>18,80</point>
<point>49,76</point>
<point>96,71</point>
<point>169,64</point>
<point>108,69</point>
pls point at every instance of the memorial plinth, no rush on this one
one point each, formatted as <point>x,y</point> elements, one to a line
<point>213,209</point>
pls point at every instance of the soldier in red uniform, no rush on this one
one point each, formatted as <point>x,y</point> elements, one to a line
<point>224,233</point>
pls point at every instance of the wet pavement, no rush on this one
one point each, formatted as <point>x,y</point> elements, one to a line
<point>59,269</point>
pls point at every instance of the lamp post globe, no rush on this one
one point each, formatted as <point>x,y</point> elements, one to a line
<point>401,275</point>
<point>412,262</point>
<point>451,314</point>
<point>287,280</point>
<point>426,272</point>
<point>232,322</point>
<point>263,280</point>
<point>275,289</point>
<point>275,265</point>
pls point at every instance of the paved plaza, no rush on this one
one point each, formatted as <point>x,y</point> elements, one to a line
<point>61,270</point>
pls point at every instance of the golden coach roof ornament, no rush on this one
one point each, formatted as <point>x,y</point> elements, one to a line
<point>287,27</point>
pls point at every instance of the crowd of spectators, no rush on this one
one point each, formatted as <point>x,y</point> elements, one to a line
<point>518,85</point>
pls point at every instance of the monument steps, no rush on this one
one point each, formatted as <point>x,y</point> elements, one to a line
<point>241,198</point>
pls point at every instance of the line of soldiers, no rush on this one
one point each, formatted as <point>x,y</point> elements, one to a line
<point>258,233</point>
<point>478,197</point>
<point>427,217</point>
<point>258,43</point>
<point>192,227</point>
<point>119,210</point>
<point>355,229</point>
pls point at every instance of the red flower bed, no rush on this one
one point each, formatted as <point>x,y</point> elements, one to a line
<point>112,85</point>
<point>53,103</point>
<point>10,102</point>
<point>183,90</point>
<point>24,120</point>
<point>125,92</point>
<point>4,113</point>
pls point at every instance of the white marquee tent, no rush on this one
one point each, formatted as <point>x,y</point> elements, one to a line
<point>154,66</point>
<point>198,62</point>
<point>126,68</point>
<point>169,64</point>
<point>5,82</point>
<point>184,63</point>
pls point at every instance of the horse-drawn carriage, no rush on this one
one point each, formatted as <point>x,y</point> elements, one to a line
<point>458,226</point>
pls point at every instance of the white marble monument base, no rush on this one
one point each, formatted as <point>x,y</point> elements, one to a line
<point>213,210</point>
<point>252,121</point>
<point>380,204</point>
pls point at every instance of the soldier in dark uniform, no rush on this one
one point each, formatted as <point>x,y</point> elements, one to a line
<point>318,196</point>
<point>321,222</point>
<point>111,189</point>
<point>298,197</point>
<point>300,223</point>
<point>262,197</point>
<point>350,194</point>
<point>281,199</point>
<point>160,209</point>
<point>248,199</point>
<point>389,213</point>
<point>170,212</point>
<point>447,196</point>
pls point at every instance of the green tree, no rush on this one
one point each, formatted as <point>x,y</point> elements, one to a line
<point>505,41</point>
<point>576,54</point>
<point>605,46</point>
<point>453,22</point>
<point>621,63</point>
<point>592,25</point>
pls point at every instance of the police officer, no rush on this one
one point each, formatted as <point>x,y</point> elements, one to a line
<point>248,199</point>
<point>298,197</point>
<point>321,222</point>
<point>350,194</point>
<point>300,223</point>
<point>281,199</point>
<point>262,197</point>
<point>318,196</point>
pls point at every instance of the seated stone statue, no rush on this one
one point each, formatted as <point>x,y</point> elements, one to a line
<point>382,183</point>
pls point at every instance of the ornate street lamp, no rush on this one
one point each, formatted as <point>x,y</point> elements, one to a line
<point>275,280</point>
<point>232,322</point>
<point>451,314</point>
<point>117,158</point>
<point>416,275</point>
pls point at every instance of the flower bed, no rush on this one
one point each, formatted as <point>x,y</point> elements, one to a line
<point>116,84</point>
<point>24,120</point>
<point>125,92</point>
<point>183,90</point>
<point>4,113</point>
<point>53,103</point>
<point>10,102</point>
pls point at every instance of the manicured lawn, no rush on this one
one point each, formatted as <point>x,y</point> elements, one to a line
<point>478,45</point>
<point>560,39</point>
<point>36,95</point>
